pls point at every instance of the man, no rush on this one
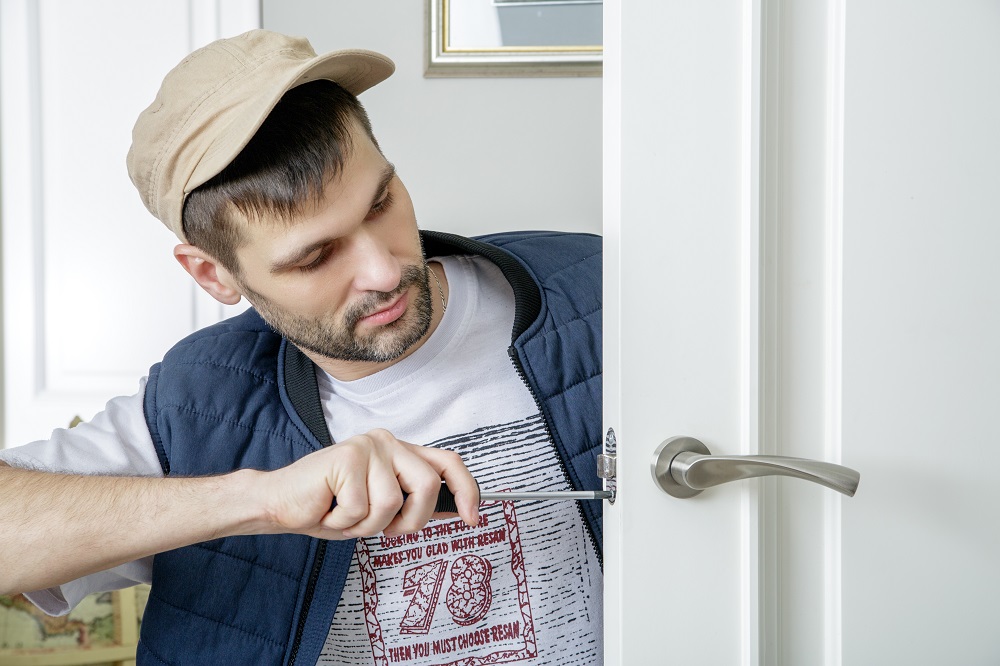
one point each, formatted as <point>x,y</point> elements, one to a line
<point>281,534</point>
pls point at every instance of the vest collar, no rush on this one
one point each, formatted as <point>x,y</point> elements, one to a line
<point>300,373</point>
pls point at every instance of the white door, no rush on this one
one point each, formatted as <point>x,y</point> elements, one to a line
<point>802,238</point>
<point>91,294</point>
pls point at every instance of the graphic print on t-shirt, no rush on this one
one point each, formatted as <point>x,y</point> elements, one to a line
<point>523,586</point>
<point>450,573</point>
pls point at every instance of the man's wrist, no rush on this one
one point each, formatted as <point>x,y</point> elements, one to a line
<point>247,503</point>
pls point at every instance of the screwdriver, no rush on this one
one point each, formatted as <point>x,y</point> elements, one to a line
<point>446,499</point>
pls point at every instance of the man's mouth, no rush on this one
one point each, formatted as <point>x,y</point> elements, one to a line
<point>393,311</point>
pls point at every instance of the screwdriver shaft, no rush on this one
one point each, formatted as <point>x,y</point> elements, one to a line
<point>548,495</point>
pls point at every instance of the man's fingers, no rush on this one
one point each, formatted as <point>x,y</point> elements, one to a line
<point>350,505</point>
<point>385,498</point>
<point>370,474</point>
<point>422,485</point>
<point>449,466</point>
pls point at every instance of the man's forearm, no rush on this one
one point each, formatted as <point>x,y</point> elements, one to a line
<point>57,527</point>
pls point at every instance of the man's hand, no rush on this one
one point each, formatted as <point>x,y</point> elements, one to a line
<point>355,488</point>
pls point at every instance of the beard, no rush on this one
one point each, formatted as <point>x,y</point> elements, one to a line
<point>339,340</point>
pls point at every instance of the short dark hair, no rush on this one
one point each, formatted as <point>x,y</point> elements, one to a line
<point>285,167</point>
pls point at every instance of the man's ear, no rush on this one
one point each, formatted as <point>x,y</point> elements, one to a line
<point>208,273</point>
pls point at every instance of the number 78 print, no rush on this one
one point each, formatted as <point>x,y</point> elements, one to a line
<point>467,600</point>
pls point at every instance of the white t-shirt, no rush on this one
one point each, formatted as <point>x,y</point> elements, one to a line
<point>522,587</point>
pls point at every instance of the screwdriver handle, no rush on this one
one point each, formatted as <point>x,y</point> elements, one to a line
<point>445,501</point>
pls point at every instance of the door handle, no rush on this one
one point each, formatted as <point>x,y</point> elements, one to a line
<point>683,467</point>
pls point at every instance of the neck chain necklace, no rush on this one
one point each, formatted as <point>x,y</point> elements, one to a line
<point>444,305</point>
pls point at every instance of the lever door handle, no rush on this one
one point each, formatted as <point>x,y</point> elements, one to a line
<point>683,467</point>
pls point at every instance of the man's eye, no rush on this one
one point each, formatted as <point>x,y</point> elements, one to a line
<point>317,262</point>
<point>381,206</point>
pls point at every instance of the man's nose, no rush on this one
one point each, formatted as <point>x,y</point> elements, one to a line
<point>376,268</point>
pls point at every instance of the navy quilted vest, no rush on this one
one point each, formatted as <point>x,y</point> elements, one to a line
<point>236,395</point>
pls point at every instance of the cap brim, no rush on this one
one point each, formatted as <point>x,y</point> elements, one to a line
<point>355,70</point>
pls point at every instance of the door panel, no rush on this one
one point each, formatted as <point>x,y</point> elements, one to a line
<point>801,260</point>
<point>921,324</point>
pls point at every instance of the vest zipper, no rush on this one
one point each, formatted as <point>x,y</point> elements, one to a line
<point>516,360</point>
<point>307,600</point>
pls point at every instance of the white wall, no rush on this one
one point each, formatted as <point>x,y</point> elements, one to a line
<point>91,295</point>
<point>477,154</point>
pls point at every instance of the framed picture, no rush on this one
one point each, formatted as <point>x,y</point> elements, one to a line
<point>514,37</point>
<point>102,629</point>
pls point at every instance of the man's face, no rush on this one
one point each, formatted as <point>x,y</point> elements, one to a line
<point>346,282</point>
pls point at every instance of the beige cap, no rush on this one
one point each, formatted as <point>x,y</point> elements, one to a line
<point>211,104</point>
